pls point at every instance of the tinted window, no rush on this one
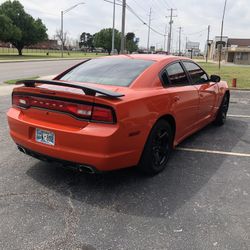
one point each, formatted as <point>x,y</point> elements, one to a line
<point>176,75</point>
<point>109,71</point>
<point>196,73</point>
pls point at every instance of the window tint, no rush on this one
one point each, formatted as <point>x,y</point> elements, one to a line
<point>176,74</point>
<point>196,73</point>
<point>165,78</point>
<point>109,71</point>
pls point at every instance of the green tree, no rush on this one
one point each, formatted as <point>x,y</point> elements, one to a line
<point>86,40</point>
<point>103,39</point>
<point>131,44</point>
<point>7,29</point>
<point>18,27</point>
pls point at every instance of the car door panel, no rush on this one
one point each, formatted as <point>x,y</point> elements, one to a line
<point>184,99</point>
<point>207,99</point>
<point>207,90</point>
<point>185,102</point>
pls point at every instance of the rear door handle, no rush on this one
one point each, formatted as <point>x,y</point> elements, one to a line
<point>176,98</point>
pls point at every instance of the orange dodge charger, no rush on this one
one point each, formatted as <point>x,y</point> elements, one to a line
<point>115,112</point>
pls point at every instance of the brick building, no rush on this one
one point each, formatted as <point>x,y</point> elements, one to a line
<point>234,50</point>
<point>47,44</point>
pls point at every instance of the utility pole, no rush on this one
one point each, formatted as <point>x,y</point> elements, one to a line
<point>180,40</point>
<point>113,31</point>
<point>62,13</point>
<point>221,33</point>
<point>186,50</point>
<point>170,29</point>
<point>149,27</point>
<point>208,33</point>
<point>165,35</point>
<point>123,26</point>
<point>62,48</point>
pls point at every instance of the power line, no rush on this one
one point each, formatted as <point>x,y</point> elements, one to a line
<point>138,17</point>
<point>165,3</point>
<point>172,4</point>
<point>112,2</point>
<point>197,32</point>
<point>143,22</point>
<point>139,5</point>
<point>158,7</point>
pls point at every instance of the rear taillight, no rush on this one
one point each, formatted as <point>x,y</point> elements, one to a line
<point>91,112</point>
<point>21,101</point>
<point>102,114</point>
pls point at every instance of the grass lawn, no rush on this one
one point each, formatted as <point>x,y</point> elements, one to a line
<point>227,73</point>
<point>42,54</point>
<point>16,80</point>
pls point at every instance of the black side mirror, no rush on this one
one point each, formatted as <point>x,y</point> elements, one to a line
<point>214,78</point>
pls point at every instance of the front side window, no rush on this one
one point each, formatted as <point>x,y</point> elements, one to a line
<point>197,74</point>
<point>175,75</point>
<point>108,71</point>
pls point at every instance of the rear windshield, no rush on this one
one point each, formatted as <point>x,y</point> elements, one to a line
<point>109,71</point>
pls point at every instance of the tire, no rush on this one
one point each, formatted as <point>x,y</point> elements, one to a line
<point>157,149</point>
<point>222,112</point>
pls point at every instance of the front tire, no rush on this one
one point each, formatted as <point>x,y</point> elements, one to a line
<point>157,149</point>
<point>222,112</point>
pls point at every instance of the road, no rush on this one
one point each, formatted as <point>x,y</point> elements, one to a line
<point>201,201</point>
<point>16,70</point>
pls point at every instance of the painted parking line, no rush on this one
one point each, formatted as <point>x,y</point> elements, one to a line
<point>212,151</point>
<point>240,116</point>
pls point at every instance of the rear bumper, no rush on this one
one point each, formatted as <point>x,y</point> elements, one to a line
<point>101,146</point>
<point>73,165</point>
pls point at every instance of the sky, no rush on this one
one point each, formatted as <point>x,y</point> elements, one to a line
<point>192,15</point>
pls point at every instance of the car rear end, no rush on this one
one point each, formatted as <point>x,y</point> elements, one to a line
<point>70,127</point>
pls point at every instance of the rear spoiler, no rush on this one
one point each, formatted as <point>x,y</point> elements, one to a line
<point>88,90</point>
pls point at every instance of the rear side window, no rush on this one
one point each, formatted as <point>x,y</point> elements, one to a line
<point>197,74</point>
<point>108,71</point>
<point>175,75</point>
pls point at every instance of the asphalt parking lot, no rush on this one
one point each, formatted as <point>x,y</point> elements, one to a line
<point>201,201</point>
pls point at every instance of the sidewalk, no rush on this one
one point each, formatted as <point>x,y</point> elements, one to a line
<point>43,60</point>
<point>6,89</point>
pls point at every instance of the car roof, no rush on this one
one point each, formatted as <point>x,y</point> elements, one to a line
<point>151,57</point>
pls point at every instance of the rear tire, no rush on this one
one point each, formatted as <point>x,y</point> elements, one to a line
<point>222,112</point>
<point>157,149</point>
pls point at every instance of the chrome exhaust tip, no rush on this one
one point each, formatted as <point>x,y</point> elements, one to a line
<point>21,149</point>
<point>86,169</point>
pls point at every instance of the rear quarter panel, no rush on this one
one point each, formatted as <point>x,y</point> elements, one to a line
<point>137,117</point>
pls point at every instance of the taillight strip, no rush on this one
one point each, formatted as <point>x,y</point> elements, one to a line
<point>82,110</point>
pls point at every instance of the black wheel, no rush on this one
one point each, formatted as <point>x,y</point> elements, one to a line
<point>222,113</point>
<point>157,149</point>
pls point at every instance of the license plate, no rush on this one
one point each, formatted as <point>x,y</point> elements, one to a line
<point>45,137</point>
